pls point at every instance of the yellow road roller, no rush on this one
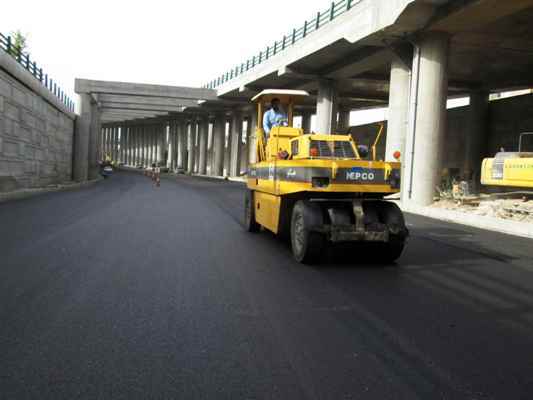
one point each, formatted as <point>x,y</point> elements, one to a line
<point>320,188</point>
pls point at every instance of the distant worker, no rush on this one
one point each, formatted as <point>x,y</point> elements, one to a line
<point>274,117</point>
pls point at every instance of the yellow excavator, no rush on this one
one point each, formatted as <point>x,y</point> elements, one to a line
<point>510,169</point>
<point>320,188</point>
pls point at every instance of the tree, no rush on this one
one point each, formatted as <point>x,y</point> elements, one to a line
<point>18,42</point>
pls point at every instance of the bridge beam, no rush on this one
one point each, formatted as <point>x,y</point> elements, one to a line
<point>141,89</point>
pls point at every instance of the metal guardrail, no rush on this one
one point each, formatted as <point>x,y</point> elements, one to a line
<point>336,9</point>
<point>23,59</point>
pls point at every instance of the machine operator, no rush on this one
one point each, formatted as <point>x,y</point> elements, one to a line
<point>274,117</point>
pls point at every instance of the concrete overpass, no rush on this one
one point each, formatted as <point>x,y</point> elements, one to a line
<point>411,55</point>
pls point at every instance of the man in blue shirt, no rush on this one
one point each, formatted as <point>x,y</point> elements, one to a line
<point>274,117</point>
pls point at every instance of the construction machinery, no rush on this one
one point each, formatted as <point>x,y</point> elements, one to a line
<point>318,188</point>
<point>510,169</point>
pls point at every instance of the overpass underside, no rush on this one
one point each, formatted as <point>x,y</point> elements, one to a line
<point>408,55</point>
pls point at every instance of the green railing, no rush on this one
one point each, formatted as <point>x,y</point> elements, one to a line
<point>24,59</point>
<point>336,9</point>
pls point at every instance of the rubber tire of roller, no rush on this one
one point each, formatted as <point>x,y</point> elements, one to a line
<point>307,245</point>
<point>250,224</point>
<point>392,214</point>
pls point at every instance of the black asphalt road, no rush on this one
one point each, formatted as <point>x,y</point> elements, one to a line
<point>124,291</point>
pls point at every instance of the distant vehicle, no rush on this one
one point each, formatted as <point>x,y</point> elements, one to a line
<point>107,171</point>
<point>510,169</point>
<point>320,188</point>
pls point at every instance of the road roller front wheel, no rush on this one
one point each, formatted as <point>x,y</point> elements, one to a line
<point>307,244</point>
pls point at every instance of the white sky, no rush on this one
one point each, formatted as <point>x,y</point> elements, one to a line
<point>180,42</point>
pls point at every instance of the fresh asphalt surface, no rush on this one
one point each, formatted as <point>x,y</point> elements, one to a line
<point>125,291</point>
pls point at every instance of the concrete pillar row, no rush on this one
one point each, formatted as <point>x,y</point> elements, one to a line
<point>427,123</point>
<point>326,107</point>
<point>219,141</point>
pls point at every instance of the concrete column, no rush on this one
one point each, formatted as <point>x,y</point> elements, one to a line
<point>116,142</point>
<point>149,145</point>
<point>109,141</point>
<point>125,144</point>
<point>430,78</point>
<point>400,83</point>
<point>133,144</point>
<point>104,142</point>
<point>172,145</point>
<point>191,146</point>
<point>476,138</point>
<point>93,142</point>
<point>80,170</point>
<point>252,138</point>
<point>182,144</point>
<point>227,147</point>
<point>343,125</point>
<point>121,145</point>
<point>210,148</point>
<point>130,145</point>
<point>161,140</point>
<point>326,107</point>
<point>306,121</point>
<point>176,144</point>
<point>219,141</point>
<point>202,148</point>
<point>141,143</point>
<point>150,151</point>
<point>236,143</point>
